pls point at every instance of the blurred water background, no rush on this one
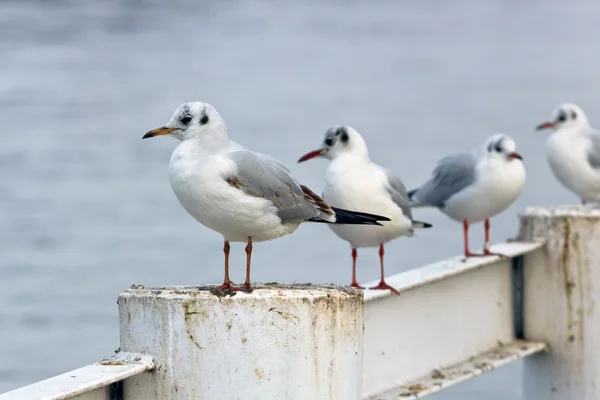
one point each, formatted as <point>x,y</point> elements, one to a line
<point>86,208</point>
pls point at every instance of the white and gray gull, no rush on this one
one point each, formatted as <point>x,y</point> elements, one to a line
<point>475,186</point>
<point>573,151</point>
<point>243,195</point>
<point>353,181</point>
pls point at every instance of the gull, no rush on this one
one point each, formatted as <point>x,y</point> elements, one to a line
<point>245,196</point>
<point>574,151</point>
<point>353,181</point>
<point>475,186</point>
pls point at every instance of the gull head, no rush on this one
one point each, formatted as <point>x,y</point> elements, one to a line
<point>339,140</point>
<point>566,116</point>
<point>192,120</point>
<point>502,147</point>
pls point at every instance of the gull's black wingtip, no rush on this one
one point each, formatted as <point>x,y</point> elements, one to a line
<point>421,224</point>
<point>357,217</point>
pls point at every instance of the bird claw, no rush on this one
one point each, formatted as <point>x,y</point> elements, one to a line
<point>384,286</point>
<point>226,286</point>
<point>246,288</point>
<point>469,254</point>
<point>356,285</point>
<point>486,252</point>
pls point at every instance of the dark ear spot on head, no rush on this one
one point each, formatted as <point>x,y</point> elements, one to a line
<point>204,120</point>
<point>495,146</point>
<point>573,114</point>
<point>344,137</point>
<point>562,117</point>
<point>500,144</point>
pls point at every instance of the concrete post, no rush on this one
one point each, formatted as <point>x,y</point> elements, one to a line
<point>301,342</point>
<point>562,287</point>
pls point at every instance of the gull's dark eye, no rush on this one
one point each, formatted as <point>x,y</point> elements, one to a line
<point>204,120</point>
<point>562,117</point>
<point>186,120</point>
<point>573,114</point>
<point>498,148</point>
<point>329,141</point>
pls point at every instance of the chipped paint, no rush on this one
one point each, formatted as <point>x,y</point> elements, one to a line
<point>442,378</point>
<point>109,362</point>
<point>289,317</point>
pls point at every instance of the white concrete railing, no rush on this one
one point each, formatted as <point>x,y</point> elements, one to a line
<point>452,321</point>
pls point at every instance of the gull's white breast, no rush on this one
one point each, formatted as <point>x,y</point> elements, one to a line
<point>497,185</point>
<point>363,188</point>
<point>198,180</point>
<point>567,156</point>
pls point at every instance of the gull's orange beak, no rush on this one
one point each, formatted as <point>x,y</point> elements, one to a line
<point>544,125</point>
<point>516,155</point>
<point>158,132</point>
<point>311,154</point>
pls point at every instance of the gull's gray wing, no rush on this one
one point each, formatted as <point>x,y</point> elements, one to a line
<point>398,192</point>
<point>594,151</point>
<point>451,175</point>
<point>260,175</point>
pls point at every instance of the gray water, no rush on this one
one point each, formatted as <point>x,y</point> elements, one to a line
<point>86,208</point>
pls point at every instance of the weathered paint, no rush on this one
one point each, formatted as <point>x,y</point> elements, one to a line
<point>562,287</point>
<point>446,313</point>
<point>441,378</point>
<point>87,383</point>
<point>298,342</point>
